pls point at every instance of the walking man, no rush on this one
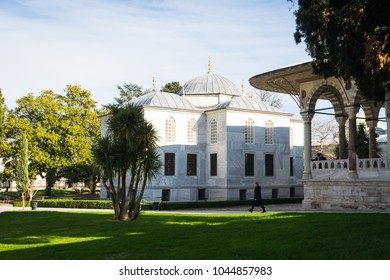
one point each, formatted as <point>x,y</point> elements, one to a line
<point>257,199</point>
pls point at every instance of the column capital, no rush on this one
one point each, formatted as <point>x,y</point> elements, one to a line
<point>307,116</point>
<point>352,110</point>
<point>341,120</point>
<point>371,123</point>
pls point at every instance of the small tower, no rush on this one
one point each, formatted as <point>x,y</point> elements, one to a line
<point>154,82</point>
<point>210,70</point>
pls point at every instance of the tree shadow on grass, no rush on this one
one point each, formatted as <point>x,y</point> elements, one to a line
<point>153,236</point>
<point>78,236</point>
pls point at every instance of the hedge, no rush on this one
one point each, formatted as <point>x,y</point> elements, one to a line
<point>70,203</point>
<point>164,205</point>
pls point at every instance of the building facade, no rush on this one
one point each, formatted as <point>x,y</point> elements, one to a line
<point>216,143</point>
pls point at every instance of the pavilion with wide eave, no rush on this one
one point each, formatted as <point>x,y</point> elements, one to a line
<point>348,182</point>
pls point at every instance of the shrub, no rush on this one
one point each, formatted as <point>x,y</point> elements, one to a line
<point>164,205</point>
<point>70,203</point>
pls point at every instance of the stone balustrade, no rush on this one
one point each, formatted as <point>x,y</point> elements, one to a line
<point>338,168</point>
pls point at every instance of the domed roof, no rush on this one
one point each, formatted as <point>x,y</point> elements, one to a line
<point>163,99</point>
<point>210,84</point>
<point>246,103</point>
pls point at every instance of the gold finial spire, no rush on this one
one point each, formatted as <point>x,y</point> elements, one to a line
<point>242,88</point>
<point>210,66</point>
<point>154,82</point>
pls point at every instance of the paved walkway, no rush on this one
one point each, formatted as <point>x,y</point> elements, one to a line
<point>293,207</point>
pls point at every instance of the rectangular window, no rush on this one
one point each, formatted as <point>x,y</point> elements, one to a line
<point>269,165</point>
<point>291,166</point>
<point>191,164</point>
<point>242,194</point>
<point>201,194</point>
<point>169,164</point>
<point>249,164</point>
<point>213,164</point>
<point>292,192</point>
<point>275,193</point>
<point>166,195</point>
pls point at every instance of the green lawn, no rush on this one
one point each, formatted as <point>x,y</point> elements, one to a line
<point>170,236</point>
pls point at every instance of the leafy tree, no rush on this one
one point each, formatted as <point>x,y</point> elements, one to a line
<point>59,128</point>
<point>129,148</point>
<point>3,110</point>
<point>362,141</point>
<point>127,92</point>
<point>349,40</point>
<point>21,170</point>
<point>337,150</point>
<point>172,87</point>
<point>4,146</point>
<point>88,173</point>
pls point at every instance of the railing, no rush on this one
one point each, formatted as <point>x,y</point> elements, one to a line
<point>373,163</point>
<point>330,164</point>
<point>366,167</point>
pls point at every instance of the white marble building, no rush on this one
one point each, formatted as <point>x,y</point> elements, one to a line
<point>215,144</point>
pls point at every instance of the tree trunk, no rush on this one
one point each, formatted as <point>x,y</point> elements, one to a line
<point>124,206</point>
<point>134,191</point>
<point>23,199</point>
<point>114,199</point>
<point>137,206</point>
<point>48,190</point>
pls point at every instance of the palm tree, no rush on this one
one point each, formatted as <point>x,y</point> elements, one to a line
<point>146,167</point>
<point>105,158</point>
<point>129,148</point>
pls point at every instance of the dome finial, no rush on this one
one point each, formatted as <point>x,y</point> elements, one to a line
<point>242,88</point>
<point>154,82</point>
<point>210,66</point>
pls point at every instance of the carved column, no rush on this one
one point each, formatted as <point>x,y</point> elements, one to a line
<point>352,111</point>
<point>343,153</point>
<point>307,117</point>
<point>372,138</point>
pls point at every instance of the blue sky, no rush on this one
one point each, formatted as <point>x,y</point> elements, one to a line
<point>99,44</point>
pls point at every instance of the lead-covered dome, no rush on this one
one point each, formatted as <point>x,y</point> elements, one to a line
<point>247,103</point>
<point>210,84</point>
<point>163,99</point>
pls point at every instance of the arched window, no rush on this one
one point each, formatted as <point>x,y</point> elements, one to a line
<point>192,131</point>
<point>269,132</point>
<point>213,132</point>
<point>249,126</point>
<point>170,130</point>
